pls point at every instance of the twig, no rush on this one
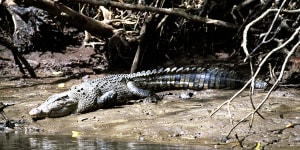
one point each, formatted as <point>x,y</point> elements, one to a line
<point>2,106</point>
<point>273,22</point>
<point>251,91</point>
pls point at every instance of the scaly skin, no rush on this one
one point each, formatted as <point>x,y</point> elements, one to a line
<point>118,88</point>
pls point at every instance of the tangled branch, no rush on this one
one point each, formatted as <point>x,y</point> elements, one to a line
<point>261,64</point>
<point>246,30</point>
<point>167,11</point>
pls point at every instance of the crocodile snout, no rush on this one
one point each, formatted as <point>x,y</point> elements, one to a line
<point>36,113</point>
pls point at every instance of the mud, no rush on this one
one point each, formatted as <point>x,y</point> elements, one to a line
<point>169,121</point>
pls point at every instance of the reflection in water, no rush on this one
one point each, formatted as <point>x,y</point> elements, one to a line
<point>49,142</point>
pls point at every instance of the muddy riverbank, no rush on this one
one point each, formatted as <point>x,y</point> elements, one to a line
<point>169,121</point>
<point>172,120</point>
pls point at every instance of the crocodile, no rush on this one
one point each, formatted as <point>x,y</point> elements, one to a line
<point>115,89</point>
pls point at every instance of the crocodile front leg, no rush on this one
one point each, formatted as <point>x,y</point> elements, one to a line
<point>107,99</point>
<point>99,100</point>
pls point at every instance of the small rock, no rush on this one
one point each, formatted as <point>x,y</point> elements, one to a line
<point>197,135</point>
<point>186,95</point>
<point>83,119</point>
<point>141,138</point>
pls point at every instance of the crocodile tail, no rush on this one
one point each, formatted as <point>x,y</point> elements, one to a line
<point>192,78</point>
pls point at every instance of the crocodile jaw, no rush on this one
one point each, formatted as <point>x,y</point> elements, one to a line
<point>57,105</point>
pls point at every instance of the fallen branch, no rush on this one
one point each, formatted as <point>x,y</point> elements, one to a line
<point>78,20</point>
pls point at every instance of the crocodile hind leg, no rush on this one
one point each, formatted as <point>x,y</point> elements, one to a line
<point>137,91</point>
<point>141,93</point>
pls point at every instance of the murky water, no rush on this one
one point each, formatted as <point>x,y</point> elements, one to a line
<point>12,141</point>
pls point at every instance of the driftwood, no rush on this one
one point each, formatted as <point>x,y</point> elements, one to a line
<point>78,20</point>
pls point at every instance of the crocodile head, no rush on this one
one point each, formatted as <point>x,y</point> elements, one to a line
<point>57,105</point>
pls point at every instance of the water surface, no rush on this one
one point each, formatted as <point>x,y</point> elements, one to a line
<point>12,141</point>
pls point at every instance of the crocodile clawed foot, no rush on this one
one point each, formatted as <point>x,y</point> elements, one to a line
<point>153,98</point>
